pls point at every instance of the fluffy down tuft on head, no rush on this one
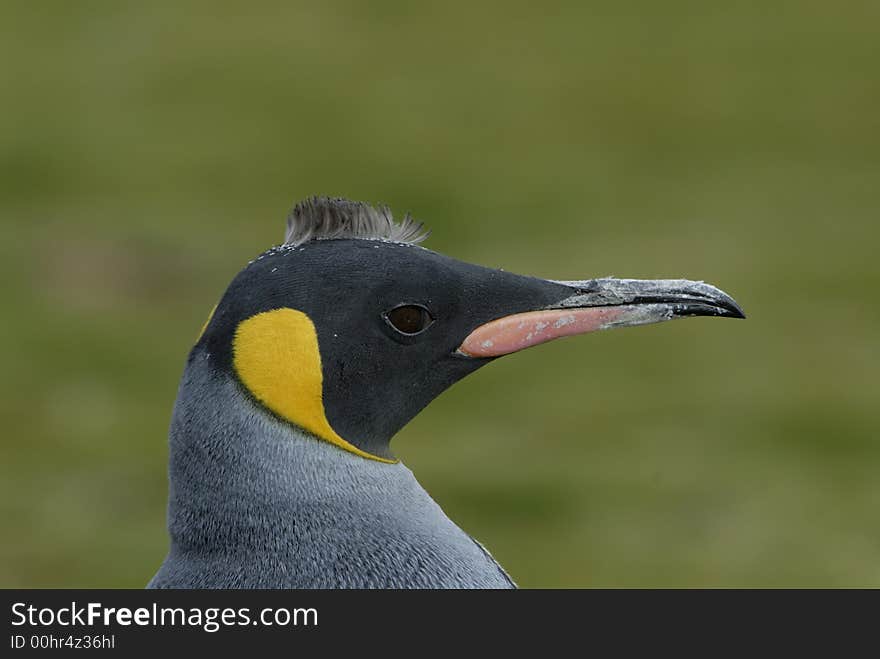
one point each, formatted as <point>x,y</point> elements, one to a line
<point>334,218</point>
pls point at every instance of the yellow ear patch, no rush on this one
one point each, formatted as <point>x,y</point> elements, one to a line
<point>276,356</point>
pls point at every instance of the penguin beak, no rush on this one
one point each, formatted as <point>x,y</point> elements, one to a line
<point>597,304</point>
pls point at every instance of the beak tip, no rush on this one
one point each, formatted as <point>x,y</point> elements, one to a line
<point>732,308</point>
<point>719,308</point>
<point>722,303</point>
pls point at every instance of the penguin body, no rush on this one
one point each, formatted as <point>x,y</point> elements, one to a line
<point>281,470</point>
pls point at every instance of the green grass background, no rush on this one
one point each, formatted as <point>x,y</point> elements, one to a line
<point>149,150</point>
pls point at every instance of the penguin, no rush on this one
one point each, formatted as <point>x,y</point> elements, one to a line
<point>321,349</point>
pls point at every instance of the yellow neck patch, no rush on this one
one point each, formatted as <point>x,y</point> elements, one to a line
<point>276,356</point>
<point>205,326</point>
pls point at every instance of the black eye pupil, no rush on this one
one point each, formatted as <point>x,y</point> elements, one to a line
<point>409,319</point>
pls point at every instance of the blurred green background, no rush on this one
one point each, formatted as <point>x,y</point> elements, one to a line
<point>149,150</point>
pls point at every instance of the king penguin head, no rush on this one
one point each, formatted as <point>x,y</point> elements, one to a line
<point>349,328</point>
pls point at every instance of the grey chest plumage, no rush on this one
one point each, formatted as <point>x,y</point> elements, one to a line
<point>254,503</point>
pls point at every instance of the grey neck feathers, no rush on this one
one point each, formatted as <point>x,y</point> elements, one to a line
<point>256,503</point>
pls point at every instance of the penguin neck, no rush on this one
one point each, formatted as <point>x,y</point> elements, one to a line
<point>231,462</point>
<point>256,503</point>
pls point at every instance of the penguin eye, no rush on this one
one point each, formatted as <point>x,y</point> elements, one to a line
<point>409,319</point>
